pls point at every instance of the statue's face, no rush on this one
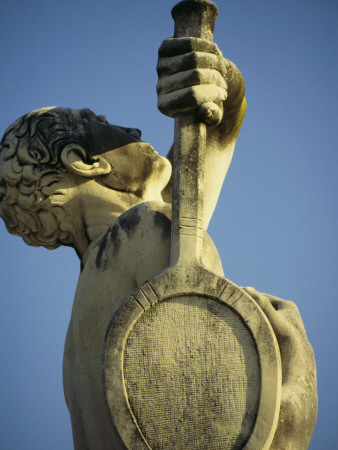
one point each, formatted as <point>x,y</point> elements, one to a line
<point>135,166</point>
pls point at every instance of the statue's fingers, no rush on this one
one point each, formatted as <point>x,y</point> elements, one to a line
<point>188,61</point>
<point>287,339</point>
<point>189,78</point>
<point>288,326</point>
<point>188,99</point>
<point>289,312</point>
<point>179,46</point>
<point>279,325</point>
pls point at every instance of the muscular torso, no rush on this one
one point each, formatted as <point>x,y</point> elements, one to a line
<point>135,248</point>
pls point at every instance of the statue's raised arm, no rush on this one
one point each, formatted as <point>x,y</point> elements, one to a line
<point>193,72</point>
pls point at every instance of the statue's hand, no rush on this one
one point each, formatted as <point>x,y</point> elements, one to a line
<point>298,409</point>
<point>192,72</point>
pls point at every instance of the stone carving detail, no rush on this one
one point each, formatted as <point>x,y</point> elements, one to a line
<point>162,351</point>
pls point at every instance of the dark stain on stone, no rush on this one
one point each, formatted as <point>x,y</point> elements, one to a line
<point>115,238</point>
<point>162,221</point>
<point>102,245</point>
<point>112,235</point>
<point>129,221</point>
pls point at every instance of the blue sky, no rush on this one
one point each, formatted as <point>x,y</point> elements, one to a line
<point>276,222</point>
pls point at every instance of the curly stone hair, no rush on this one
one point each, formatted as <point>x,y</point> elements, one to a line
<point>30,165</point>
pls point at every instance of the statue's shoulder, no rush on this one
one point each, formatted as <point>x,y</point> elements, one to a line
<point>134,248</point>
<point>140,233</point>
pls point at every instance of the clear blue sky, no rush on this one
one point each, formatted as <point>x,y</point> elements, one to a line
<point>276,222</point>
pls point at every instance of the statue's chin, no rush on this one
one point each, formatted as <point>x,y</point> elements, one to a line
<point>158,180</point>
<point>147,187</point>
<point>165,171</point>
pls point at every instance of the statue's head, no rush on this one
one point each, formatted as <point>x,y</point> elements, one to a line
<point>57,163</point>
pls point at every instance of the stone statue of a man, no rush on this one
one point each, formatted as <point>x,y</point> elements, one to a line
<point>68,177</point>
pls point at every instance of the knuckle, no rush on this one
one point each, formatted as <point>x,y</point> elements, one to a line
<point>159,88</point>
<point>193,94</point>
<point>196,76</point>
<point>159,67</point>
<point>165,47</point>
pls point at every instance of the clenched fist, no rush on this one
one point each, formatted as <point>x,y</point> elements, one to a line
<point>298,410</point>
<point>194,76</point>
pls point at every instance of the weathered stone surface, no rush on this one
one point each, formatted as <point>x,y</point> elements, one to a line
<point>208,342</point>
<point>187,359</point>
<point>171,398</point>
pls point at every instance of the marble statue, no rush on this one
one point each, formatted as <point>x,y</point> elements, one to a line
<point>68,177</point>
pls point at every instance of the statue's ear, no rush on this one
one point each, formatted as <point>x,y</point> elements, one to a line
<point>74,156</point>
